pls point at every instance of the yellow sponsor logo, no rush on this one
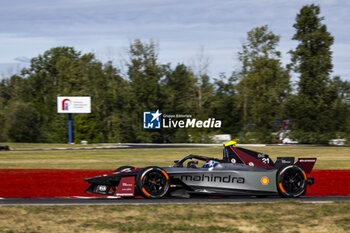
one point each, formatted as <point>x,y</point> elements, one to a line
<point>264,180</point>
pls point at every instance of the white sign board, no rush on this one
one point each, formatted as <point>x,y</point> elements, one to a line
<point>76,104</point>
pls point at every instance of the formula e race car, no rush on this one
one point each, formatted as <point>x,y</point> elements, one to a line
<point>239,172</point>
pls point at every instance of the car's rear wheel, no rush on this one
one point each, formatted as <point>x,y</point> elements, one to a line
<point>124,169</point>
<point>152,182</point>
<point>291,181</point>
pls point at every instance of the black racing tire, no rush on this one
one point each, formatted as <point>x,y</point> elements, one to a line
<point>152,182</point>
<point>305,190</point>
<point>291,181</point>
<point>124,169</point>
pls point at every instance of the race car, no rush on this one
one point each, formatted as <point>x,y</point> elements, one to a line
<point>239,172</point>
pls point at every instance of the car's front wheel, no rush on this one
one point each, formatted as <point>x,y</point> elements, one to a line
<point>152,182</point>
<point>291,181</point>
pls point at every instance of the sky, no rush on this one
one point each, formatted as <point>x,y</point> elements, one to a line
<point>182,28</point>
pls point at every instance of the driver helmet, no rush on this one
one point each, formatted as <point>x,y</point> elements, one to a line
<point>210,163</point>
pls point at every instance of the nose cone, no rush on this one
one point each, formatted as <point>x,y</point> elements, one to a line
<point>104,179</point>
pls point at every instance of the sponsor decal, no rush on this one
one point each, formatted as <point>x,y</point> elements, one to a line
<point>126,184</point>
<point>307,160</point>
<point>233,161</point>
<point>153,120</point>
<point>251,164</point>
<point>124,195</point>
<point>213,178</point>
<point>265,180</point>
<point>285,161</point>
<point>102,188</point>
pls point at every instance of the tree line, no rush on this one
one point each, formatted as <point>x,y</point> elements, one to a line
<point>249,102</point>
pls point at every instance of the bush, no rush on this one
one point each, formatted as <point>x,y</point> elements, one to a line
<point>22,122</point>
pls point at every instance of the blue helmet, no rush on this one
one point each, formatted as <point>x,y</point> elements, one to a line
<point>210,163</point>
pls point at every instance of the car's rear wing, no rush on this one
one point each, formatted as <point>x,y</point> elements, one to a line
<point>307,164</point>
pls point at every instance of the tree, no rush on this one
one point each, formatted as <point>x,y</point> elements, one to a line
<point>204,89</point>
<point>21,122</point>
<point>66,72</point>
<point>225,104</point>
<point>11,91</point>
<point>204,92</point>
<point>56,72</point>
<point>116,104</point>
<point>145,74</point>
<point>180,89</point>
<point>264,84</point>
<point>311,109</point>
<point>341,107</point>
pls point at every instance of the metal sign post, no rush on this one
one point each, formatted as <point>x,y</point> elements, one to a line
<point>70,128</point>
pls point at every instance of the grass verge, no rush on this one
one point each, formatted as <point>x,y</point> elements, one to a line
<point>278,217</point>
<point>328,157</point>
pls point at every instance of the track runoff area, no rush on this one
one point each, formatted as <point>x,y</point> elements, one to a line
<point>66,187</point>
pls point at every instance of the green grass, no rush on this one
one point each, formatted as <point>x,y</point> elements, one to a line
<point>263,217</point>
<point>26,146</point>
<point>96,159</point>
<point>328,157</point>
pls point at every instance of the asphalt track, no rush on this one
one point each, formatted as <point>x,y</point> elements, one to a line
<point>141,201</point>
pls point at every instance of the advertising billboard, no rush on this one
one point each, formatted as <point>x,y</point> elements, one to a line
<point>76,104</point>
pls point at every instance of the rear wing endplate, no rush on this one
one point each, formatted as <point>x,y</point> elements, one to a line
<point>307,164</point>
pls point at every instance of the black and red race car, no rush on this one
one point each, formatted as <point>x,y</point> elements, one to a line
<point>239,172</point>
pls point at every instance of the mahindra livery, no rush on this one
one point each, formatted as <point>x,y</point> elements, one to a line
<point>239,172</point>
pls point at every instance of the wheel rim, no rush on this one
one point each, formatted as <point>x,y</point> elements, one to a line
<point>293,181</point>
<point>155,183</point>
